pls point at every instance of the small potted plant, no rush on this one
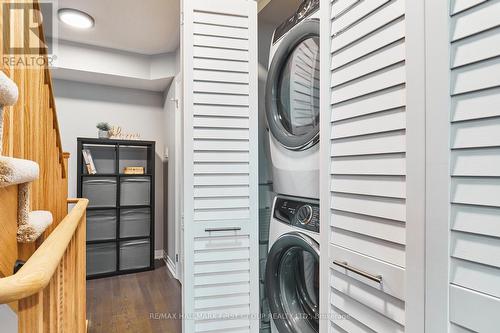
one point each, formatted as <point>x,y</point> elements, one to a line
<point>104,129</point>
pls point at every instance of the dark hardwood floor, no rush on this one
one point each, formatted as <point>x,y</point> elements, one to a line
<point>143,302</point>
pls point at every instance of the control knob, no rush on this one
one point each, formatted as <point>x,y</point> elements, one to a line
<point>304,10</point>
<point>305,214</point>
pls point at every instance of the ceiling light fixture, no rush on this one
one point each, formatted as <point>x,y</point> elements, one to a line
<point>76,18</point>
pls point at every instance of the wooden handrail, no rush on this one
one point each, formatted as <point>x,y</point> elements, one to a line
<point>37,272</point>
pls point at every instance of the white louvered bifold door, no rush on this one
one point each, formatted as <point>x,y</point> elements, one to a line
<point>463,248</point>
<point>220,289</point>
<point>364,172</point>
<point>475,167</point>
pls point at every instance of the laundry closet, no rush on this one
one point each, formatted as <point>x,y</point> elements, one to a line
<point>353,145</point>
<point>290,105</point>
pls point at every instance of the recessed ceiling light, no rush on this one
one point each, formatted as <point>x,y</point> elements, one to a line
<point>76,18</point>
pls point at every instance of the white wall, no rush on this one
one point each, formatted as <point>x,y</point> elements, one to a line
<point>8,319</point>
<point>92,64</point>
<point>80,106</point>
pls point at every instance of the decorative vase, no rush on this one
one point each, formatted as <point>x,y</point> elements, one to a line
<point>103,134</point>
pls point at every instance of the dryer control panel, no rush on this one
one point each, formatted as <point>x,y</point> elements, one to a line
<point>299,214</point>
<point>305,9</point>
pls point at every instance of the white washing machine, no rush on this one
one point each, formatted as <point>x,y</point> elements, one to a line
<point>292,268</point>
<point>292,103</point>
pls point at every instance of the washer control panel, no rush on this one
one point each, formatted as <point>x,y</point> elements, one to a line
<point>306,8</point>
<point>297,213</point>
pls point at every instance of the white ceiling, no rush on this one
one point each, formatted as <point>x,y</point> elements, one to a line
<point>140,26</point>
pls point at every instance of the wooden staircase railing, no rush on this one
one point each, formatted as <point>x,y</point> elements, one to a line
<point>31,132</point>
<point>50,286</point>
<point>48,292</point>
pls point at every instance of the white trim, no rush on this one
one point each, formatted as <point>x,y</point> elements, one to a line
<point>324,160</point>
<point>187,8</point>
<point>178,165</point>
<point>415,167</point>
<point>159,254</point>
<point>170,266</point>
<point>437,25</point>
<point>253,87</point>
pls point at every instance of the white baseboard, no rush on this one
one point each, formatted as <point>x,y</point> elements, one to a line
<point>158,254</point>
<point>170,266</point>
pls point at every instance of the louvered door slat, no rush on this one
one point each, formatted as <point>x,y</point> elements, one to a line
<point>387,35</point>
<point>461,5</point>
<point>385,57</point>
<point>392,231</point>
<point>363,314</point>
<point>384,164</point>
<point>475,20</point>
<point>476,48</point>
<point>214,18</point>
<point>219,53</point>
<point>220,155</point>
<point>375,21</point>
<point>376,300</point>
<point>339,7</point>
<point>220,76</point>
<point>370,104</point>
<point>482,104</point>
<point>385,121</point>
<point>352,17</point>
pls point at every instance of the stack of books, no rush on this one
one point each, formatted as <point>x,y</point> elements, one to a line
<point>134,171</point>
<point>89,162</point>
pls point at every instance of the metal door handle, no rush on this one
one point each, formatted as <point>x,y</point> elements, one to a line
<point>343,264</point>
<point>222,229</point>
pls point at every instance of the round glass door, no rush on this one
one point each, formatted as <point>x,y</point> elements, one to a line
<point>292,284</point>
<point>298,90</point>
<point>292,99</point>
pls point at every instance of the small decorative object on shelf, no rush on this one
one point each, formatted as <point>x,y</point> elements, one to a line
<point>89,162</point>
<point>116,133</point>
<point>104,129</point>
<point>133,170</point>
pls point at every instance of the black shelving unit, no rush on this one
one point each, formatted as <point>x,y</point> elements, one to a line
<point>120,216</point>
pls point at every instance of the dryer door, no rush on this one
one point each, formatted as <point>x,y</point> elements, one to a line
<point>292,283</point>
<point>292,91</point>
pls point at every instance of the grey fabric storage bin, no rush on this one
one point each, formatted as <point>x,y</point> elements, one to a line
<point>135,222</point>
<point>101,224</point>
<point>134,254</point>
<point>135,191</point>
<point>101,258</point>
<point>101,191</point>
<point>133,157</point>
<point>104,158</point>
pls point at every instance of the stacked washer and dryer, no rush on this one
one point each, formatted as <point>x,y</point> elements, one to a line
<point>292,110</point>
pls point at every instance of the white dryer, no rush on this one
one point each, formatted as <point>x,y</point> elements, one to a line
<point>292,103</point>
<point>292,268</point>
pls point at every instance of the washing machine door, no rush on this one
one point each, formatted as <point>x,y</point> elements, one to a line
<point>292,91</point>
<point>292,283</point>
